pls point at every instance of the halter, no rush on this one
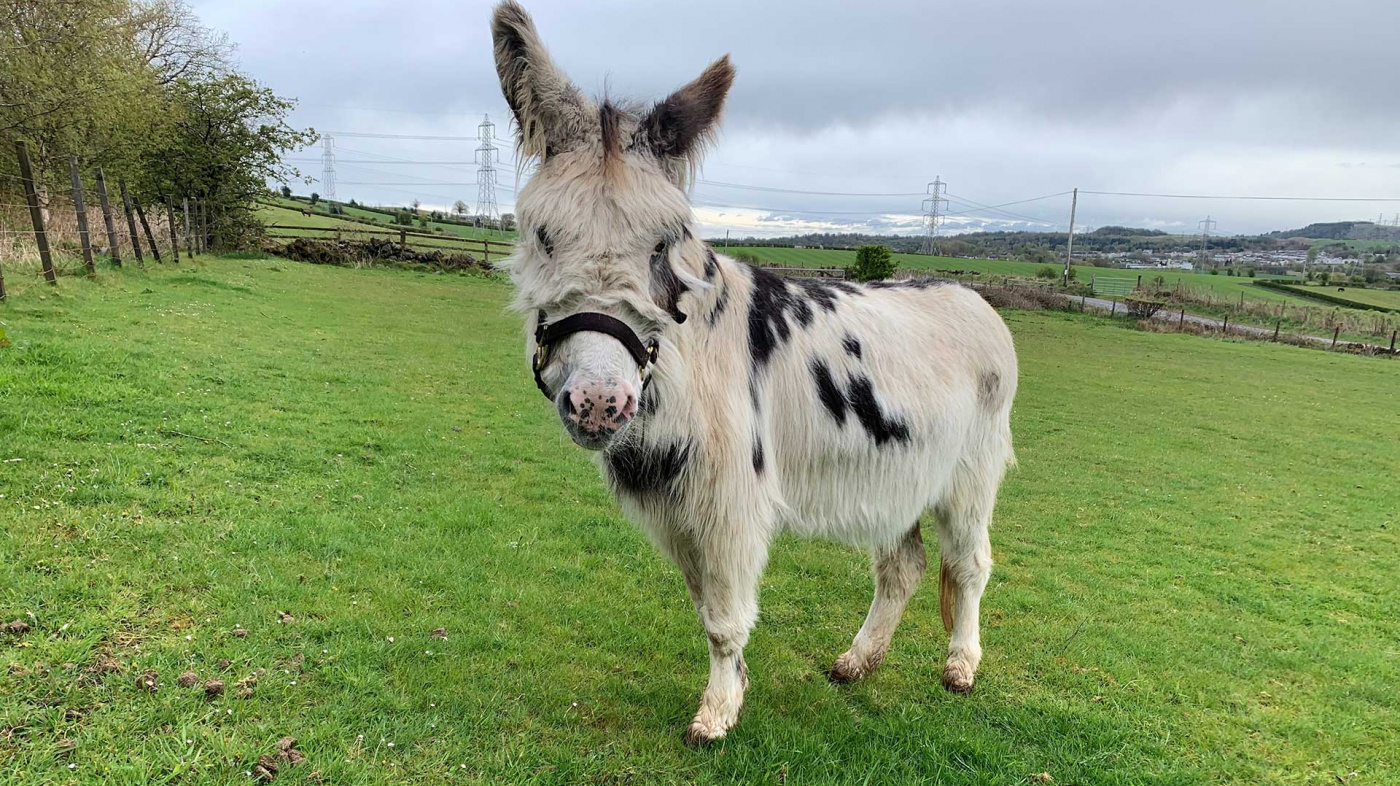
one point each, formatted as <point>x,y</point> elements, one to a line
<point>590,322</point>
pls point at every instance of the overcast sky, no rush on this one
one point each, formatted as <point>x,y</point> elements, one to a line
<point>1003,100</point>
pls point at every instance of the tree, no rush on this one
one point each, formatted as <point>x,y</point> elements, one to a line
<point>229,136</point>
<point>508,222</point>
<point>416,203</point>
<point>460,208</point>
<point>286,192</point>
<point>315,197</point>
<point>873,263</point>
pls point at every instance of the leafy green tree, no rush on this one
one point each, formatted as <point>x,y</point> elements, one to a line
<point>873,263</point>
<point>315,197</point>
<point>286,192</point>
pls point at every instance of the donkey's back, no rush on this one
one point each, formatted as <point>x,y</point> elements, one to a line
<point>895,403</point>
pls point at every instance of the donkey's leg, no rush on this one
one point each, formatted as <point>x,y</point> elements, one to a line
<point>682,549</point>
<point>898,570</point>
<point>732,563</point>
<point>966,565</point>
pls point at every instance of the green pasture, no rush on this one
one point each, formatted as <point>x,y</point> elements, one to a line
<point>323,209</point>
<point>1195,578</point>
<point>285,216</point>
<point>1223,285</point>
<point>1385,298</point>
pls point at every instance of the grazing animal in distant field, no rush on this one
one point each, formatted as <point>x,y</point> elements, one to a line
<point>727,405</point>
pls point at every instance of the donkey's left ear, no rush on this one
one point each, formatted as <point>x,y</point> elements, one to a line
<point>681,125</point>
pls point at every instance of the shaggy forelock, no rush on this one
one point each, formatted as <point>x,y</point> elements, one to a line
<point>602,219</point>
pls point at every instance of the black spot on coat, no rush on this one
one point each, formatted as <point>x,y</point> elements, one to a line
<point>829,394</point>
<point>877,424</point>
<point>773,300</point>
<point>647,469</point>
<point>860,400</point>
<point>852,346</point>
<point>666,286</point>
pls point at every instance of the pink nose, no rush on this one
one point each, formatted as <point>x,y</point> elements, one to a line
<point>600,408</point>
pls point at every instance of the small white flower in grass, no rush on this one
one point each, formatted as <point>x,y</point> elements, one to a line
<point>391,639</point>
<point>391,745</point>
<point>189,742</point>
<point>323,652</point>
<point>294,682</point>
<point>189,638</point>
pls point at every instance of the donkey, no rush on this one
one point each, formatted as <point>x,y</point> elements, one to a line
<point>726,405</point>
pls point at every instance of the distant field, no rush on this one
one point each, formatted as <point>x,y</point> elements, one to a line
<point>292,216</point>
<point>818,257</point>
<point>322,209</point>
<point>1385,298</point>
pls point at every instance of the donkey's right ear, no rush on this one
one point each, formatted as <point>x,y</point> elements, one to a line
<point>549,110</point>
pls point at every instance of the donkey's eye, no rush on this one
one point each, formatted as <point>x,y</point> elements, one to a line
<point>545,241</point>
<point>660,248</point>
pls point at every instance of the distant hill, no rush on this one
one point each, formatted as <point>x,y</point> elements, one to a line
<point>1343,230</point>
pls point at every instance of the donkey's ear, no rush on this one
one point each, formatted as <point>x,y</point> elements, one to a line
<point>549,110</point>
<point>680,126</point>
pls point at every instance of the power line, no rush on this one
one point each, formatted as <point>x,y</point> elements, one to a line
<point>776,190</point>
<point>997,208</point>
<point>373,161</point>
<point>420,137</point>
<point>1263,198</point>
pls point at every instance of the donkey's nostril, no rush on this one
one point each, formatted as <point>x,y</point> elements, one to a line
<point>629,408</point>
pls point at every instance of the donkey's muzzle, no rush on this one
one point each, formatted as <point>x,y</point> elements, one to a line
<point>594,414</point>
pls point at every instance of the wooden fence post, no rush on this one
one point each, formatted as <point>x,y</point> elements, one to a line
<point>486,251</point>
<point>1336,332</point>
<point>189,235</point>
<point>1081,304</point>
<point>1181,321</point>
<point>107,218</point>
<point>170,220</point>
<point>80,206</point>
<point>203,225</point>
<point>36,214</point>
<point>131,224</point>
<point>1392,333</point>
<point>1114,310</point>
<point>403,240</point>
<point>1225,328</point>
<point>145,225</point>
<point>1276,327</point>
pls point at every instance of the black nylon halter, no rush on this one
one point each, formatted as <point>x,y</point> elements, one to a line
<point>590,322</point>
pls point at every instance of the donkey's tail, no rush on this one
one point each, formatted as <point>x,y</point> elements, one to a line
<point>945,594</point>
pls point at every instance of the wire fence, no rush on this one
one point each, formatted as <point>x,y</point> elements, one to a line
<point>70,223</point>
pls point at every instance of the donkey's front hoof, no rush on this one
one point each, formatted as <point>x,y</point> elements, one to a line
<point>958,676</point>
<point>851,667</point>
<point>701,734</point>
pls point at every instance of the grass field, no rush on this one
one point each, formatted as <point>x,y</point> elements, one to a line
<point>270,215</point>
<point>322,209</point>
<point>1195,578</point>
<point>1232,286</point>
<point>1385,298</point>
